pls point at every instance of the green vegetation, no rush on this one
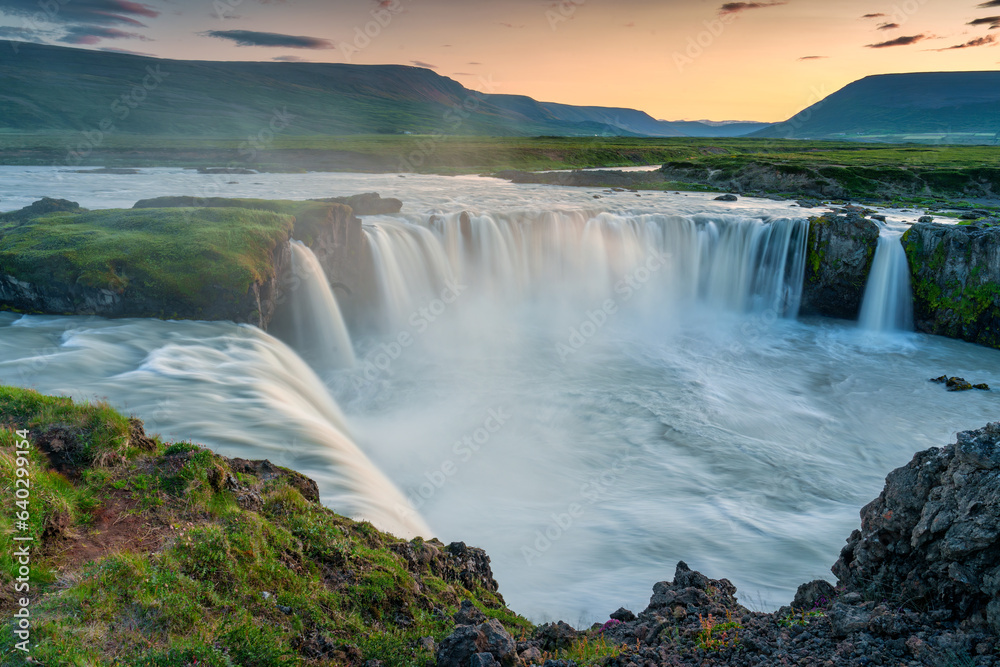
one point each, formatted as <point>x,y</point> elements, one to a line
<point>185,256</point>
<point>310,218</point>
<point>716,635</point>
<point>155,554</point>
<point>586,651</point>
<point>799,617</point>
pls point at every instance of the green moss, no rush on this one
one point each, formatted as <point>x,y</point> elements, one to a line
<point>815,255</point>
<point>310,217</point>
<point>187,256</point>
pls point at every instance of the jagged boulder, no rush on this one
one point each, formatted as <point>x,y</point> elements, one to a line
<point>468,644</point>
<point>932,537</point>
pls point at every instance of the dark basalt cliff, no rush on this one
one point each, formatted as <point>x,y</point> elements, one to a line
<point>955,271</point>
<point>841,249</point>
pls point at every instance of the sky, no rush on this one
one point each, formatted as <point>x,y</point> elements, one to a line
<point>675,59</point>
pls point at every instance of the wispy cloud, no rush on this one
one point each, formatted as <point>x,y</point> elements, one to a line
<point>737,7</point>
<point>887,26</point>
<point>813,57</point>
<point>270,39</point>
<point>899,41</point>
<point>979,41</point>
<point>86,34</point>
<point>992,21</point>
<point>511,25</point>
<point>421,63</point>
<point>991,3</point>
<point>91,12</point>
<point>874,16</point>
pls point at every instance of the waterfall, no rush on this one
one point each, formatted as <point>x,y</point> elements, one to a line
<point>319,333</point>
<point>888,300</point>
<point>728,262</point>
<point>233,388</point>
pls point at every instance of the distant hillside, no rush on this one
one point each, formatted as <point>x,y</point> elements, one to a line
<point>945,107</point>
<point>53,89</point>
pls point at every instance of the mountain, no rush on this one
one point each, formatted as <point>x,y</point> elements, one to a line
<point>52,88</point>
<point>951,107</point>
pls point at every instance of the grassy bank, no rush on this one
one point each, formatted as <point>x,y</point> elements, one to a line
<point>173,255</point>
<point>150,553</point>
<point>448,154</point>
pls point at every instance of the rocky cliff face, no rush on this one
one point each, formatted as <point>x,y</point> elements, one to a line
<point>841,249</point>
<point>932,538</point>
<point>919,585</point>
<point>955,272</point>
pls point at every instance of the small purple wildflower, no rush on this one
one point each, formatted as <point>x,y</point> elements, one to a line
<point>610,624</point>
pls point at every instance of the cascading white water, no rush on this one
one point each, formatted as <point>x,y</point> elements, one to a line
<point>234,388</point>
<point>737,263</point>
<point>888,300</point>
<point>319,330</point>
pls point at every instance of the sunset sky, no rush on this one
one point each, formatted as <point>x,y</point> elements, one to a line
<point>675,59</point>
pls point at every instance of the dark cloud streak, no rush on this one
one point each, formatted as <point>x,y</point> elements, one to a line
<point>85,34</point>
<point>979,41</point>
<point>737,7</point>
<point>269,39</point>
<point>899,41</point>
<point>992,21</point>
<point>88,12</point>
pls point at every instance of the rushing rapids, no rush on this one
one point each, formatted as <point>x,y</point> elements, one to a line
<point>591,391</point>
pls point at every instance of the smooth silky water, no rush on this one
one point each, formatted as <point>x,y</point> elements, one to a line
<point>589,389</point>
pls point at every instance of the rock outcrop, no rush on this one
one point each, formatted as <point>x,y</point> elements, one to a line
<point>955,272</point>
<point>841,250</point>
<point>931,540</point>
<point>139,277</point>
<point>57,258</point>
<point>367,203</point>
